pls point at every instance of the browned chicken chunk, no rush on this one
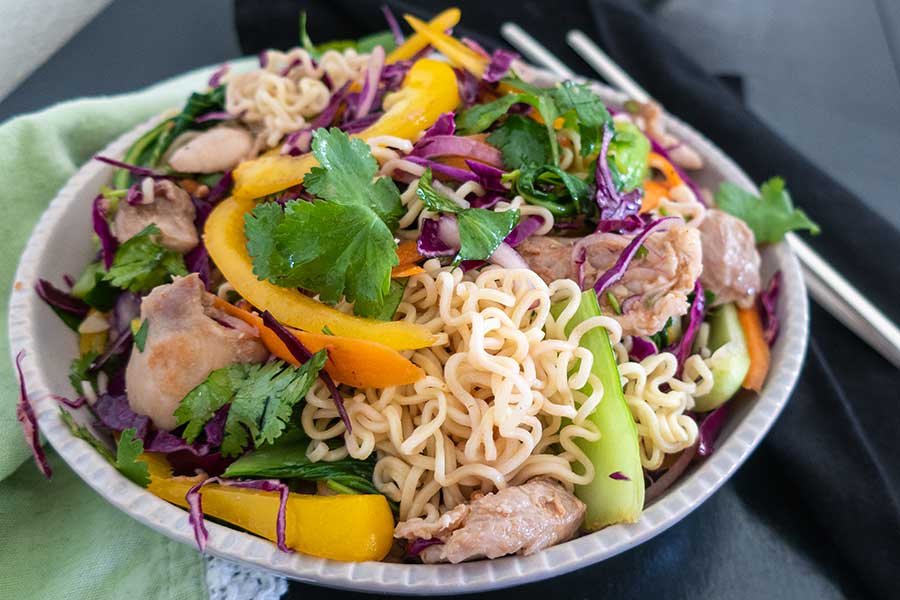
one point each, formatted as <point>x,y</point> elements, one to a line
<point>730,258</point>
<point>655,285</point>
<point>521,519</point>
<point>170,209</point>
<point>185,343</point>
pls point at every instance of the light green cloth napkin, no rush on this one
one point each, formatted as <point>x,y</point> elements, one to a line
<point>59,539</point>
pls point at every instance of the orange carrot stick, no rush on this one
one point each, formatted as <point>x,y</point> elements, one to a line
<point>757,348</point>
<point>358,363</point>
<point>653,193</point>
<point>658,162</point>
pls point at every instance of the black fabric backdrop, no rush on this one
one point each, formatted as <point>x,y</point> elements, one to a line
<point>816,509</point>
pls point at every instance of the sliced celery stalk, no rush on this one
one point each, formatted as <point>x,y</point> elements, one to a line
<point>730,360</point>
<point>609,500</point>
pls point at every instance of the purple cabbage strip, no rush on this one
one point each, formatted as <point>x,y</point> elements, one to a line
<point>121,344</point>
<point>133,169</point>
<point>165,442</point>
<point>357,125</point>
<point>392,24</point>
<point>641,348</point>
<point>613,205</point>
<point>70,281</point>
<point>287,70</point>
<point>187,463</point>
<point>430,244</point>
<point>370,87</point>
<point>216,115</point>
<point>659,486</point>
<point>619,476</point>
<point>616,272</point>
<point>658,148</point>
<point>489,177</point>
<point>57,298</point>
<point>108,243</point>
<point>445,125</point>
<point>579,259</point>
<point>501,61</point>
<point>710,429</point>
<point>415,547</point>
<point>115,414</point>
<point>302,354</point>
<point>447,171</point>
<point>769,301</point>
<point>134,196</point>
<point>486,201</point>
<point>218,192</point>
<point>299,141</point>
<point>435,146</point>
<point>629,223</point>
<point>76,403</point>
<point>475,47</point>
<point>468,87</point>
<point>195,507</point>
<point>215,428</point>
<point>197,261</point>
<point>682,348</point>
<point>26,418</point>
<point>524,229</point>
<point>216,79</point>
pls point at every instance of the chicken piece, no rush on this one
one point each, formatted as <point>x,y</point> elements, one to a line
<point>730,259</point>
<point>185,343</point>
<point>522,519</point>
<point>655,285</point>
<point>170,208</point>
<point>680,153</point>
<point>213,151</point>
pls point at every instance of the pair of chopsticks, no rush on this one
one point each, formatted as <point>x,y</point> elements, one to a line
<point>827,287</point>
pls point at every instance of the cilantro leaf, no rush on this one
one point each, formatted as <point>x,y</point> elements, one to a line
<point>386,310</point>
<point>79,372</point>
<point>480,230</point>
<point>770,215</point>
<point>262,398</point>
<point>481,116</point>
<point>340,245</point>
<point>127,462</point>
<point>345,175</point>
<point>140,338</point>
<point>588,111</point>
<point>521,141</point>
<point>549,186</point>
<point>141,264</point>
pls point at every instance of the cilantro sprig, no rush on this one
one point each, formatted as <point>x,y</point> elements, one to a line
<point>770,215</point>
<point>341,244</point>
<point>141,264</point>
<point>480,230</point>
<point>262,399</point>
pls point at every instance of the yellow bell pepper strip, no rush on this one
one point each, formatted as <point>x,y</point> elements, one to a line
<point>418,42</point>
<point>428,91</point>
<point>358,363</point>
<point>346,527</point>
<point>458,53</point>
<point>227,246</point>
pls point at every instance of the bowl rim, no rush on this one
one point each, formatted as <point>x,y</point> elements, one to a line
<point>397,578</point>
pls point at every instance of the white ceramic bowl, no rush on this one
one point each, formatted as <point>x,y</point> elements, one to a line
<point>61,243</point>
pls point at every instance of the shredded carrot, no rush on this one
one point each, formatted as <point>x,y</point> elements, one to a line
<point>757,348</point>
<point>408,252</point>
<point>653,193</point>
<point>359,363</point>
<point>406,271</point>
<point>658,162</point>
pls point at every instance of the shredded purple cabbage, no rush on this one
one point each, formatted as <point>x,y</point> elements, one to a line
<point>475,46</point>
<point>682,348</point>
<point>302,354</point>
<point>619,476</point>
<point>134,196</point>
<point>489,177</point>
<point>290,67</point>
<point>672,475</point>
<point>218,192</point>
<point>108,243</point>
<point>447,171</point>
<point>195,507</point>
<point>468,87</point>
<point>445,125</point>
<point>216,115</point>
<point>114,413</point>
<point>710,429</point>
<point>524,229</point>
<point>76,403</point>
<point>430,244</point>
<point>392,77</point>
<point>615,207</point>
<point>133,169</point>
<point>59,299</point>
<point>299,141</point>
<point>486,201</point>
<point>120,345</point>
<point>769,301</point>
<point>215,79</point>
<point>501,61</point>
<point>415,547</point>
<point>616,272</point>
<point>357,125</point>
<point>641,348</point>
<point>392,24</point>
<point>435,146</point>
<point>197,261</point>
<point>184,462</point>
<point>367,96</point>
<point>26,418</point>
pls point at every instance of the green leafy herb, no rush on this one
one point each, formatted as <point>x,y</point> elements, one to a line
<point>286,459</point>
<point>198,104</point>
<point>363,45</point>
<point>140,154</point>
<point>578,104</point>
<point>386,310</point>
<point>551,187</point>
<point>130,447</point>
<point>661,337</point>
<point>141,264</point>
<point>641,252</point>
<point>341,245</point>
<point>94,289</point>
<point>79,372</point>
<point>82,432</point>
<point>521,141</point>
<point>480,230</point>
<point>614,303</point>
<point>262,399</point>
<point>481,116</point>
<point>140,337</point>
<point>326,330</point>
<point>770,215</point>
